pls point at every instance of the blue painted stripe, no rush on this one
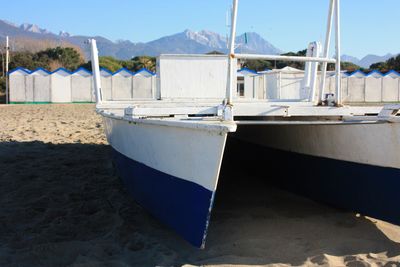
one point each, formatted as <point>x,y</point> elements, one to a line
<point>355,72</point>
<point>62,70</point>
<point>366,189</point>
<point>145,70</point>
<point>41,69</point>
<point>19,69</point>
<point>182,205</point>
<point>82,69</point>
<point>124,70</point>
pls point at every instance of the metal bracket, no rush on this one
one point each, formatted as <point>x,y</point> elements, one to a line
<point>129,111</point>
<point>225,112</point>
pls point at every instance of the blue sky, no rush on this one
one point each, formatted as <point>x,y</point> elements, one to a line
<point>368,26</point>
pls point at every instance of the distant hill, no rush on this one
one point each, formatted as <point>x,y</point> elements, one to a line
<point>368,60</point>
<point>185,42</point>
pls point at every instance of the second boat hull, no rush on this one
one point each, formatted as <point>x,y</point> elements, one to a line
<point>355,167</point>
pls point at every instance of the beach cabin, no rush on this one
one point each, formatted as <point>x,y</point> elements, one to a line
<point>38,86</point>
<point>285,83</point>
<point>81,86</point>
<point>17,85</point>
<point>356,83</point>
<point>122,85</point>
<point>61,86</point>
<point>143,84</point>
<point>246,87</point>
<point>373,87</point>
<point>391,87</point>
<point>331,84</point>
<point>106,83</point>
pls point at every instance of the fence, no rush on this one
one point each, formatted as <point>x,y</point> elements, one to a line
<point>63,86</point>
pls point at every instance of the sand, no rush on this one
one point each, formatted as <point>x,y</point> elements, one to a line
<point>62,205</point>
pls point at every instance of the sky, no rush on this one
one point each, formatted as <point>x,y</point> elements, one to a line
<point>368,26</point>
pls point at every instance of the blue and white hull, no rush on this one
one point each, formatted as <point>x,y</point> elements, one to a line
<point>353,166</point>
<point>170,169</point>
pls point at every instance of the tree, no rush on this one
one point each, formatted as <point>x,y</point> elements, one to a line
<point>135,64</point>
<point>65,57</point>
<point>391,64</point>
<point>144,62</point>
<point>345,66</point>
<point>109,63</point>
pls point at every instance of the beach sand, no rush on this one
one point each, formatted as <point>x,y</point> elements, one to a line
<point>62,205</point>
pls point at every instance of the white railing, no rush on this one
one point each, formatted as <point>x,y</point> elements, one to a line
<point>284,58</point>
<point>334,9</point>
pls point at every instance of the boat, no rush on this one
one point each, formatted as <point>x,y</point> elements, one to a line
<point>168,149</point>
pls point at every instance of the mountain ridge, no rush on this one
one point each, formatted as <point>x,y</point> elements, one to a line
<point>186,42</point>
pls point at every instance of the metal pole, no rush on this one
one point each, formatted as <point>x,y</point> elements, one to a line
<point>338,53</point>
<point>96,71</point>
<point>320,95</point>
<point>231,61</point>
<point>7,63</point>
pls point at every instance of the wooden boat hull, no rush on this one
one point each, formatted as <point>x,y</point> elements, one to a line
<point>170,171</point>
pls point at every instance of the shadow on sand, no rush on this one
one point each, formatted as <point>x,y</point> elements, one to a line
<point>62,205</point>
<point>2,98</point>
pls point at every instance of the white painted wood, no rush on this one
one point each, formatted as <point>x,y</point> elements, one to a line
<point>390,90</point>
<point>106,84</point>
<point>373,90</point>
<point>82,88</point>
<point>29,88</point>
<point>96,71</point>
<point>61,87</point>
<point>17,86</point>
<point>142,87</point>
<point>193,76</point>
<point>122,86</point>
<point>245,108</point>
<point>356,89</point>
<point>189,154</point>
<point>41,88</point>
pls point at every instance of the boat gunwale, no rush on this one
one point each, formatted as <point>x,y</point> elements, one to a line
<point>215,125</point>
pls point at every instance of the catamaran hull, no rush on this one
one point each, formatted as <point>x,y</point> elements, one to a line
<point>356,167</point>
<point>170,171</point>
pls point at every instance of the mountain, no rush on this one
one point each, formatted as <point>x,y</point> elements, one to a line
<point>368,60</point>
<point>186,42</point>
<point>33,28</point>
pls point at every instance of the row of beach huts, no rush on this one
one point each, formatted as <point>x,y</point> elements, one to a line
<point>63,86</point>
